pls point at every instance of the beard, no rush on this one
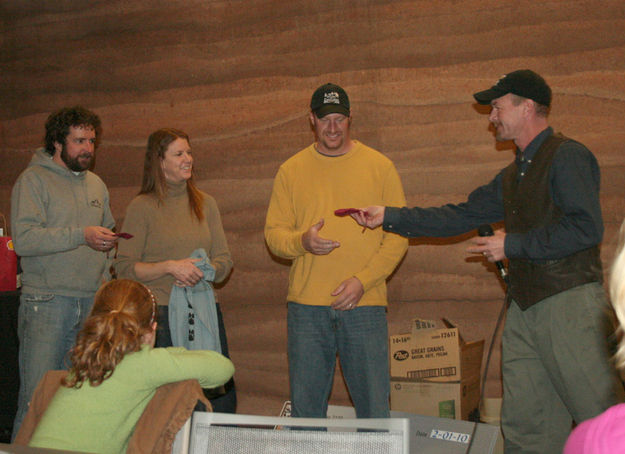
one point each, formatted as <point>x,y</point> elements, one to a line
<point>78,163</point>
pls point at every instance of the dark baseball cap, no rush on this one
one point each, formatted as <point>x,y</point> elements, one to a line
<point>329,98</point>
<point>523,82</point>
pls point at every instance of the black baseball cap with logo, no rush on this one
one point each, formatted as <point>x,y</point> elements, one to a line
<point>523,82</point>
<point>329,98</point>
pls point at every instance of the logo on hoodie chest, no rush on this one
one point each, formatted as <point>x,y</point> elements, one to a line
<point>95,203</point>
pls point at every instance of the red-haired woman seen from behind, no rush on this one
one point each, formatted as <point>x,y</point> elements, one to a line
<point>115,372</point>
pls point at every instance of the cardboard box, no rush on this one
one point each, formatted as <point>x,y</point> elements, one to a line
<point>434,354</point>
<point>434,371</point>
<point>455,400</point>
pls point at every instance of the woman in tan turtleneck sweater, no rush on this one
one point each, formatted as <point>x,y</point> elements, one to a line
<point>169,219</point>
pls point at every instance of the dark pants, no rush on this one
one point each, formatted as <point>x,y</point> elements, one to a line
<point>222,401</point>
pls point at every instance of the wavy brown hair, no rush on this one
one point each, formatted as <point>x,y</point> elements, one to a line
<point>123,312</point>
<point>153,178</point>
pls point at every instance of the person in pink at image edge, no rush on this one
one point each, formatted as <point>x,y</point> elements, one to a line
<point>605,434</point>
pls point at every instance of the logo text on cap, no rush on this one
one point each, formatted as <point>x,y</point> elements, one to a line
<point>331,97</point>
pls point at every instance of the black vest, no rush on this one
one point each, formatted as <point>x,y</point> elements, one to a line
<point>528,204</point>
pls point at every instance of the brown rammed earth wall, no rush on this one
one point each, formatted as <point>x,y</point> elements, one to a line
<point>238,75</point>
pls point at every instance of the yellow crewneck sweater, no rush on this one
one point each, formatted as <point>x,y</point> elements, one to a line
<point>310,186</point>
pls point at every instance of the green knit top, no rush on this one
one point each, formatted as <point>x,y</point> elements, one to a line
<point>101,419</point>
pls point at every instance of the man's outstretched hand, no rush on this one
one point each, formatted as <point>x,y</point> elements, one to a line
<point>371,217</point>
<point>315,244</point>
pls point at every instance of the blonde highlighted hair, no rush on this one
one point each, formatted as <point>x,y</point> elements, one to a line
<point>617,293</point>
<point>123,312</point>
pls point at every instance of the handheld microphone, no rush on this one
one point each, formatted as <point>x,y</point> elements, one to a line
<point>487,230</point>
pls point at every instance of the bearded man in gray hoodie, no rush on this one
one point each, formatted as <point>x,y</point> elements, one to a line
<point>61,224</point>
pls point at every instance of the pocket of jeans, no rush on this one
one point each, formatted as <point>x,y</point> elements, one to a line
<point>37,299</point>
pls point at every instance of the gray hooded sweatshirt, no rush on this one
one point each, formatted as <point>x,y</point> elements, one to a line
<point>50,207</point>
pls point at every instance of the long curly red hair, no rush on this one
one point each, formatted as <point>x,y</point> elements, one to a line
<point>123,313</point>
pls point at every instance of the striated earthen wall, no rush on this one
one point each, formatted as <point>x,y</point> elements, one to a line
<point>238,75</point>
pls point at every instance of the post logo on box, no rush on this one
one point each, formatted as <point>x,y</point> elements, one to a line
<point>401,355</point>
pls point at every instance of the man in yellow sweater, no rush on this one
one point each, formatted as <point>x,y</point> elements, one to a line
<point>337,284</point>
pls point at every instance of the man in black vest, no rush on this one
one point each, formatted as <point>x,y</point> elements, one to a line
<point>556,364</point>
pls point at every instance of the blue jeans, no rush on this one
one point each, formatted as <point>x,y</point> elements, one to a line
<point>360,337</point>
<point>47,325</point>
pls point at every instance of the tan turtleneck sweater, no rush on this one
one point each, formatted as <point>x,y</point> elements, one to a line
<point>169,231</point>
